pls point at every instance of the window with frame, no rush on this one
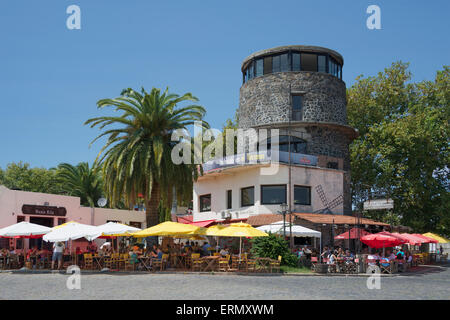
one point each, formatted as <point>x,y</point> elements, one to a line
<point>259,67</point>
<point>247,196</point>
<point>321,63</point>
<point>309,62</point>
<point>273,194</point>
<point>297,107</point>
<point>302,195</point>
<point>229,199</point>
<point>205,203</point>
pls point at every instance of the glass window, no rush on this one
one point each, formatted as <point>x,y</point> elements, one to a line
<point>273,194</point>
<point>229,199</point>
<point>297,145</point>
<point>267,65</point>
<point>250,71</point>
<point>296,62</point>
<point>302,195</point>
<point>276,64</point>
<point>259,67</point>
<point>297,107</point>
<point>322,63</point>
<point>309,62</point>
<point>284,58</point>
<point>205,203</point>
<point>247,196</point>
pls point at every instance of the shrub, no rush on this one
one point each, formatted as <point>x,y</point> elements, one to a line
<point>272,247</point>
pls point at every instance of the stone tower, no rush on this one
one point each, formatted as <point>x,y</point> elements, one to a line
<point>299,90</point>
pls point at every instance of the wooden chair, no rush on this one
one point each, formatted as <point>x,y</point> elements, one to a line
<point>235,263</point>
<point>123,260</point>
<point>216,254</point>
<point>387,266</point>
<point>88,261</point>
<point>250,265</point>
<point>275,264</point>
<point>160,263</point>
<point>224,263</point>
<point>196,262</point>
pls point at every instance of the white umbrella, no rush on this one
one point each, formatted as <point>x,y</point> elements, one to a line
<point>24,230</point>
<point>116,229</point>
<point>72,231</point>
<point>297,231</point>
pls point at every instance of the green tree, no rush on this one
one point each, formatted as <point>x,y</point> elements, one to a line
<point>403,150</point>
<point>137,155</point>
<point>81,181</point>
<point>21,176</point>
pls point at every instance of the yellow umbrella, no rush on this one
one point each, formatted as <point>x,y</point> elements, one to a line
<point>212,231</point>
<point>436,237</point>
<point>168,228</point>
<point>189,237</point>
<point>240,230</point>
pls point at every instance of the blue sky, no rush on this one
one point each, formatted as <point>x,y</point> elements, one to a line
<point>52,77</point>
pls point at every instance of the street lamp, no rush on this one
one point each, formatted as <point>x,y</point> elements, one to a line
<point>283,207</point>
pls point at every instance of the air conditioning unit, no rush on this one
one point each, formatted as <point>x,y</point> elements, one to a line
<point>225,214</point>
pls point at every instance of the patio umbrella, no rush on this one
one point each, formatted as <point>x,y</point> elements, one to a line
<point>411,239</point>
<point>24,230</point>
<point>168,228</point>
<point>433,237</point>
<point>381,240</point>
<point>353,234</point>
<point>114,229</point>
<point>240,230</point>
<point>72,231</point>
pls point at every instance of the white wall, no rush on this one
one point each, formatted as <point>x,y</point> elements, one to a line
<point>235,179</point>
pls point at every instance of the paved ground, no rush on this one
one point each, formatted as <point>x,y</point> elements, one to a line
<point>429,283</point>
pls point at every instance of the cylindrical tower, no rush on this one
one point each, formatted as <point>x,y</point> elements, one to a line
<point>299,90</point>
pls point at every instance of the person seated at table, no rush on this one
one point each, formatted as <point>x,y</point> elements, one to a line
<point>340,253</point>
<point>400,254</point>
<point>4,252</point>
<point>409,258</point>
<point>348,255</point>
<point>332,257</point>
<point>373,257</point>
<point>205,249</point>
<point>325,253</point>
<point>224,251</point>
<point>390,255</point>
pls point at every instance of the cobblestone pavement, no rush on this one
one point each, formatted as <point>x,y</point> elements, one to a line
<point>428,283</point>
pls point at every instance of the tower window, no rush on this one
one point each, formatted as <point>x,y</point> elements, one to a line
<point>296,62</point>
<point>322,63</point>
<point>297,107</point>
<point>309,62</point>
<point>267,65</point>
<point>259,67</point>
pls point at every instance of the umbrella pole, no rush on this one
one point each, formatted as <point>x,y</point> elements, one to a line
<point>240,247</point>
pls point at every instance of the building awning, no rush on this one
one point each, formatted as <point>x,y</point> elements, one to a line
<point>205,223</point>
<point>336,219</point>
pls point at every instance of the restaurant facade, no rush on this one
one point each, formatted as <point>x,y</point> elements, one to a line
<point>51,210</point>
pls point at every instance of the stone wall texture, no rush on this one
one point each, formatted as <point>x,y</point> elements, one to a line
<point>266,99</point>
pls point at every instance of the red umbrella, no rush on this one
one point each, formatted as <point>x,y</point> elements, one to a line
<point>353,234</point>
<point>382,240</point>
<point>425,239</point>
<point>411,239</point>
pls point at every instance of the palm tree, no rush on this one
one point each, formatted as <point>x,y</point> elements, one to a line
<point>136,158</point>
<point>80,181</point>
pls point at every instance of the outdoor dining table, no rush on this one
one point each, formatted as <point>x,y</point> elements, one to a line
<point>144,260</point>
<point>211,263</point>
<point>180,261</point>
<point>99,261</point>
<point>264,264</point>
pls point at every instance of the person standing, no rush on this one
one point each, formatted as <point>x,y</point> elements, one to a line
<point>58,249</point>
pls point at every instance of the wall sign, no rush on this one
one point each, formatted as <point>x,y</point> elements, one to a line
<point>44,210</point>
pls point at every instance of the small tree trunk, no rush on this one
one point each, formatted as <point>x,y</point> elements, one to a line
<point>152,213</point>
